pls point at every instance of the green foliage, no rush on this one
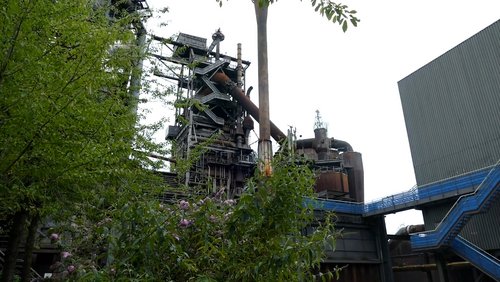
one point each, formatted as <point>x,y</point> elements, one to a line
<point>268,227</point>
<point>66,118</point>
<point>182,165</point>
<point>260,237</point>
<point>337,13</point>
<point>71,149</point>
<point>334,12</point>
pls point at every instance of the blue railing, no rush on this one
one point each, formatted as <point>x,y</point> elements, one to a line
<point>487,182</point>
<point>336,206</point>
<point>391,203</point>
<point>480,259</point>
<point>409,199</point>
<point>466,205</point>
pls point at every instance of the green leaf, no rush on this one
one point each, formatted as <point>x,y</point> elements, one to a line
<point>354,22</point>
<point>344,26</point>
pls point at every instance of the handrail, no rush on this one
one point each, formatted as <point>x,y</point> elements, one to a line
<point>465,206</point>
<point>486,183</point>
<point>335,205</point>
<point>408,199</point>
<point>480,259</point>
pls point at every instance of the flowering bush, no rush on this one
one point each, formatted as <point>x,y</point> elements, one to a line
<point>259,237</point>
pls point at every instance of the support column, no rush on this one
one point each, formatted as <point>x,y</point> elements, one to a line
<point>442,270</point>
<point>386,264</point>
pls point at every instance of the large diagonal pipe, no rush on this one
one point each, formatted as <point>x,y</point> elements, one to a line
<point>238,94</point>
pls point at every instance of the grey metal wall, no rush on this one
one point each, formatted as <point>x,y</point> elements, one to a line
<point>452,109</point>
<point>482,229</point>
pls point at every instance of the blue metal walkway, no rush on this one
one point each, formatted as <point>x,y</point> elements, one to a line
<point>436,191</point>
<point>478,189</point>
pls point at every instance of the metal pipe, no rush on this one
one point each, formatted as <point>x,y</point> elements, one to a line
<point>246,103</point>
<point>338,144</point>
<point>239,68</point>
<point>341,145</point>
<point>305,143</point>
<point>431,266</point>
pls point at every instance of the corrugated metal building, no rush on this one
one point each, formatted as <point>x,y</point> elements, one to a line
<point>452,109</point>
<point>452,113</point>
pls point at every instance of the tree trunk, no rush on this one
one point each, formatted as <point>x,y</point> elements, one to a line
<point>265,145</point>
<point>28,248</point>
<point>15,234</point>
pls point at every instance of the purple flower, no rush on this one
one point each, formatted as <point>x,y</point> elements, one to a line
<point>229,202</point>
<point>184,205</point>
<point>54,236</point>
<point>71,268</point>
<point>185,223</point>
<point>65,254</point>
<point>227,215</point>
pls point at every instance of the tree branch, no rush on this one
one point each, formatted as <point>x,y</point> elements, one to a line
<point>10,51</point>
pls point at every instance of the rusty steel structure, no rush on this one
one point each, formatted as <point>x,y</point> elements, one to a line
<point>216,113</point>
<point>212,128</point>
<point>340,168</point>
<point>213,120</point>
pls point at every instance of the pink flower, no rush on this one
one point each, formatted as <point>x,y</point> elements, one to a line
<point>54,236</point>
<point>185,223</point>
<point>229,202</point>
<point>65,254</point>
<point>71,268</point>
<point>227,215</point>
<point>184,205</point>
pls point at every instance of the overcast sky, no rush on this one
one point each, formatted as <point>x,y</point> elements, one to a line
<point>351,78</point>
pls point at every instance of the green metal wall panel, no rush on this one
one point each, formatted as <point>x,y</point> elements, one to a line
<point>452,113</point>
<point>482,229</point>
<point>452,109</point>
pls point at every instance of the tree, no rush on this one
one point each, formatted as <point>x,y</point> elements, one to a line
<point>71,151</point>
<point>260,237</point>
<point>337,13</point>
<point>66,124</point>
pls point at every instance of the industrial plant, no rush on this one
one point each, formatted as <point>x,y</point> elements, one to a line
<point>452,113</point>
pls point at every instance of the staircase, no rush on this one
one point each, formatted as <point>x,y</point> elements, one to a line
<point>446,233</point>
<point>487,263</point>
<point>466,206</point>
<point>211,67</point>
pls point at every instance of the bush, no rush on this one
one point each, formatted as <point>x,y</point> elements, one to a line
<point>259,237</point>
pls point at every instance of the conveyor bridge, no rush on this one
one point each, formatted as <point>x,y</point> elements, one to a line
<point>476,190</point>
